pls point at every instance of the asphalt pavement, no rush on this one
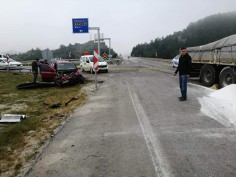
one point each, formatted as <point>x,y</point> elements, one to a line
<point>134,126</point>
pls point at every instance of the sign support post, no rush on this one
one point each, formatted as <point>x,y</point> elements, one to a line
<point>98,29</point>
<point>109,46</point>
<point>80,25</point>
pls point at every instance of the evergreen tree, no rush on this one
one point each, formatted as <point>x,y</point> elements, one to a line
<point>204,31</point>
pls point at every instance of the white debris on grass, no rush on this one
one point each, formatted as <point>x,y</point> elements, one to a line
<point>221,105</point>
<point>8,118</point>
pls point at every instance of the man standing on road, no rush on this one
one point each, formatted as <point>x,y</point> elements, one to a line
<point>183,68</point>
<point>35,67</point>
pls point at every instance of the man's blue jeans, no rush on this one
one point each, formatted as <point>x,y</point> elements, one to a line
<point>183,79</point>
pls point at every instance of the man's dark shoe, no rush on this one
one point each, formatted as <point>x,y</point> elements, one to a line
<point>182,99</point>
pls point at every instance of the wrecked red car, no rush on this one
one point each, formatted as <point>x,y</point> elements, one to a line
<point>61,72</point>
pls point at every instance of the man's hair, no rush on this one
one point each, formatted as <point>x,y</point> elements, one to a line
<point>182,48</point>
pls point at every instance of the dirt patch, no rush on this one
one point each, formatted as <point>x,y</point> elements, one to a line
<point>13,107</point>
<point>33,141</point>
<point>17,107</point>
<point>2,106</point>
<point>9,95</point>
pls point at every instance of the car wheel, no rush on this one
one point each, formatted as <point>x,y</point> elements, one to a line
<point>82,69</point>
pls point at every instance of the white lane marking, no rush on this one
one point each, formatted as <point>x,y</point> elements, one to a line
<point>159,162</point>
<point>121,133</point>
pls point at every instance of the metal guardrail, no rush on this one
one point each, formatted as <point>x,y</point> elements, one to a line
<point>111,61</point>
<point>117,61</point>
<point>16,68</point>
<point>157,59</point>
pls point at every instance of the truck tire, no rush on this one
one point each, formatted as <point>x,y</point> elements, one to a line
<point>208,75</point>
<point>227,76</point>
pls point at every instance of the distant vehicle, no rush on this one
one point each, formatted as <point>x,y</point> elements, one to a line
<point>62,73</point>
<point>175,61</point>
<point>86,64</point>
<point>12,63</point>
<point>3,64</point>
<point>215,62</point>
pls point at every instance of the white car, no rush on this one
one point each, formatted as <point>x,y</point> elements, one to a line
<point>86,64</point>
<point>12,63</point>
<point>175,61</point>
<point>3,64</point>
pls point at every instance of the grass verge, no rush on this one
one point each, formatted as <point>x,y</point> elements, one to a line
<point>19,141</point>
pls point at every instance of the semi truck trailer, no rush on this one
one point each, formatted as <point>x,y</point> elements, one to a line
<point>215,63</point>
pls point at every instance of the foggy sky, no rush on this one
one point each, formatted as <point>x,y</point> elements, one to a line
<point>27,24</point>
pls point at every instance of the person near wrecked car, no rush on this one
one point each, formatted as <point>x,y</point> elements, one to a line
<point>35,69</point>
<point>46,62</point>
<point>183,69</point>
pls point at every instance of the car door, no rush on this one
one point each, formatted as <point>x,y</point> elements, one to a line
<point>48,73</point>
<point>86,64</point>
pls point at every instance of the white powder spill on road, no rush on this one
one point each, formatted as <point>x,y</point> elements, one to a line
<point>227,93</point>
<point>221,105</point>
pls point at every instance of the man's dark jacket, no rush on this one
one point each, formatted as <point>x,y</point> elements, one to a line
<point>184,66</point>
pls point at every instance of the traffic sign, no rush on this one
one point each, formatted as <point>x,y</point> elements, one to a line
<point>95,60</point>
<point>80,25</point>
<point>104,55</point>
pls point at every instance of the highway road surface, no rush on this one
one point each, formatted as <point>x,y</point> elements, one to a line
<point>135,126</point>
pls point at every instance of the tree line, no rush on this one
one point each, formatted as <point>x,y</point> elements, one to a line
<point>204,31</point>
<point>65,52</point>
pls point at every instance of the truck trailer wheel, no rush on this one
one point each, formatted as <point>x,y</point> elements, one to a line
<point>208,75</point>
<point>227,77</point>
